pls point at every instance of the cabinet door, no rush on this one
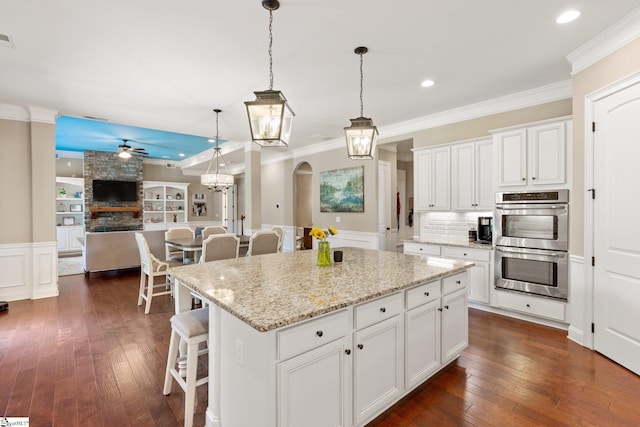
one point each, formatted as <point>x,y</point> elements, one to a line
<point>512,158</point>
<point>441,178</point>
<point>377,368</point>
<point>479,282</point>
<point>463,177</point>
<point>422,180</point>
<point>422,343</point>
<point>312,387</point>
<point>62,238</point>
<point>485,193</point>
<point>75,234</point>
<point>548,154</point>
<point>454,324</point>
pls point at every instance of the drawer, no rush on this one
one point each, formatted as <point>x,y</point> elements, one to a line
<point>423,294</point>
<point>421,249</point>
<point>314,333</point>
<point>455,282</point>
<point>466,253</point>
<point>534,306</point>
<point>378,310</point>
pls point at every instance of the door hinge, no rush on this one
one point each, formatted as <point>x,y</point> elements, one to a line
<point>593,193</point>
<point>593,328</point>
<point>593,261</point>
<point>593,126</point>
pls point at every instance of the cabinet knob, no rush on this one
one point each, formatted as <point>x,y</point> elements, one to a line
<point>319,333</point>
<point>347,351</point>
<point>420,248</point>
<point>528,305</point>
<point>465,254</point>
<point>447,307</point>
<point>426,294</point>
<point>533,177</point>
<point>458,281</point>
<point>524,179</point>
<point>360,346</point>
<point>382,309</point>
<point>439,309</point>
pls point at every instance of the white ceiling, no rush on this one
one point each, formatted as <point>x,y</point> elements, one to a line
<point>165,65</point>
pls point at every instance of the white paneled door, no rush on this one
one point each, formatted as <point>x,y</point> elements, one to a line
<point>616,219</point>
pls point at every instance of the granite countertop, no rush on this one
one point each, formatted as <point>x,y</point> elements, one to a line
<point>276,290</point>
<point>454,241</point>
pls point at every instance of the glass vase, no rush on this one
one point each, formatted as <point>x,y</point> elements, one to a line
<point>324,254</point>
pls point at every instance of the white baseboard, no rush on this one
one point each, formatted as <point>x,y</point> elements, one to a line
<point>577,299</point>
<point>29,271</point>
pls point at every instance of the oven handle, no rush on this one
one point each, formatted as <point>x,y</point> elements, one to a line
<point>520,207</point>
<point>530,251</point>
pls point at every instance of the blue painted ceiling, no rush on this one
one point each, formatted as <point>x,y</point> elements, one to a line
<point>78,134</point>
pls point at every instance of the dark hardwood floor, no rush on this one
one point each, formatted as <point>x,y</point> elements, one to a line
<point>92,358</point>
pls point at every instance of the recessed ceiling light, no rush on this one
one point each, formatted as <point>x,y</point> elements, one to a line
<point>427,83</point>
<point>181,154</point>
<point>166,157</point>
<point>568,16</point>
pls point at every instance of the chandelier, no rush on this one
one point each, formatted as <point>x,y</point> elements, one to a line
<point>217,182</point>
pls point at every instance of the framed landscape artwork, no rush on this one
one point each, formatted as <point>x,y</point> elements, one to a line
<point>342,190</point>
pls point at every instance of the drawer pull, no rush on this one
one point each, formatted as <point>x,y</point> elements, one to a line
<point>528,305</point>
<point>458,282</point>
<point>426,294</point>
<point>420,248</point>
<point>383,310</point>
<point>347,351</point>
<point>447,307</point>
<point>465,254</point>
<point>319,333</point>
<point>360,346</point>
<point>439,309</point>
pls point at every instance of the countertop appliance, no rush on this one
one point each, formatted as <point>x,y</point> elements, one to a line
<point>485,229</point>
<point>532,241</point>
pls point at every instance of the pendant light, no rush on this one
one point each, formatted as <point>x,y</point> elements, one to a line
<point>217,182</point>
<point>361,135</point>
<point>270,117</point>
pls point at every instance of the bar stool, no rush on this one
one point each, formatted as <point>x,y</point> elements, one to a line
<point>193,328</point>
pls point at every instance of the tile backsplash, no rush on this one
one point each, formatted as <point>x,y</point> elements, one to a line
<point>447,225</point>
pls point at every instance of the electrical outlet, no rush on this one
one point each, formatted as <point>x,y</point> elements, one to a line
<point>337,219</point>
<point>239,352</point>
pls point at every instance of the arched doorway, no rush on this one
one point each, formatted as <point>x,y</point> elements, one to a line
<point>302,203</point>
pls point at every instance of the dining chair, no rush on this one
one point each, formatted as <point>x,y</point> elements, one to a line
<point>177,233</point>
<point>150,268</point>
<point>220,246</point>
<point>213,229</point>
<point>263,242</point>
<point>280,232</point>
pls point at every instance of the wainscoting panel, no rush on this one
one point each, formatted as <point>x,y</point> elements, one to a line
<point>29,271</point>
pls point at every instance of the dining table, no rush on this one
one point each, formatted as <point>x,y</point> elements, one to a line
<point>194,244</point>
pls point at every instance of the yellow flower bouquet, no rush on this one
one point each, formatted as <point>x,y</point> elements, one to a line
<point>324,254</point>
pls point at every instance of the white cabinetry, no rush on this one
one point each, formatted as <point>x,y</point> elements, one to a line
<point>534,155</point>
<point>69,213</point>
<point>378,356</point>
<point>472,175</point>
<point>423,249</point>
<point>432,179</point>
<point>165,203</point>
<point>455,334</point>
<point>479,275</point>
<point>532,305</point>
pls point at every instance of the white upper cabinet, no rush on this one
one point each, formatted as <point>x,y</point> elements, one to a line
<point>472,175</point>
<point>432,179</point>
<point>534,155</point>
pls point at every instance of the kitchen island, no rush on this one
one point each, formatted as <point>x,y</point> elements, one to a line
<point>296,344</point>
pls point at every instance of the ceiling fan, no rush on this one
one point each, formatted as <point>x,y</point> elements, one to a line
<point>125,150</point>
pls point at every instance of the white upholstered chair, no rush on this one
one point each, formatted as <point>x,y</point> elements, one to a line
<point>177,233</point>
<point>263,242</point>
<point>280,232</point>
<point>220,246</point>
<point>151,268</point>
<point>213,229</point>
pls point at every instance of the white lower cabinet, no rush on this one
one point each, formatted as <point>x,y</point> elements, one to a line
<point>480,275</point>
<point>422,343</point>
<point>323,404</point>
<point>377,367</point>
<point>455,332</point>
<point>69,238</point>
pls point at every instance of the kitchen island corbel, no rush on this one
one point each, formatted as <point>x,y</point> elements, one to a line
<point>296,344</point>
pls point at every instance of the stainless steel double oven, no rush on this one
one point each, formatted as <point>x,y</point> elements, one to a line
<point>532,239</point>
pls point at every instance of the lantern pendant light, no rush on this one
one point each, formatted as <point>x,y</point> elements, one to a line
<point>217,182</point>
<point>361,135</point>
<point>270,116</point>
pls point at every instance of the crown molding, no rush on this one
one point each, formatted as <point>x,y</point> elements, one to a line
<point>28,114</point>
<point>605,43</point>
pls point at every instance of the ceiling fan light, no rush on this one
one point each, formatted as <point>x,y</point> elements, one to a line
<point>270,119</point>
<point>361,138</point>
<point>124,155</point>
